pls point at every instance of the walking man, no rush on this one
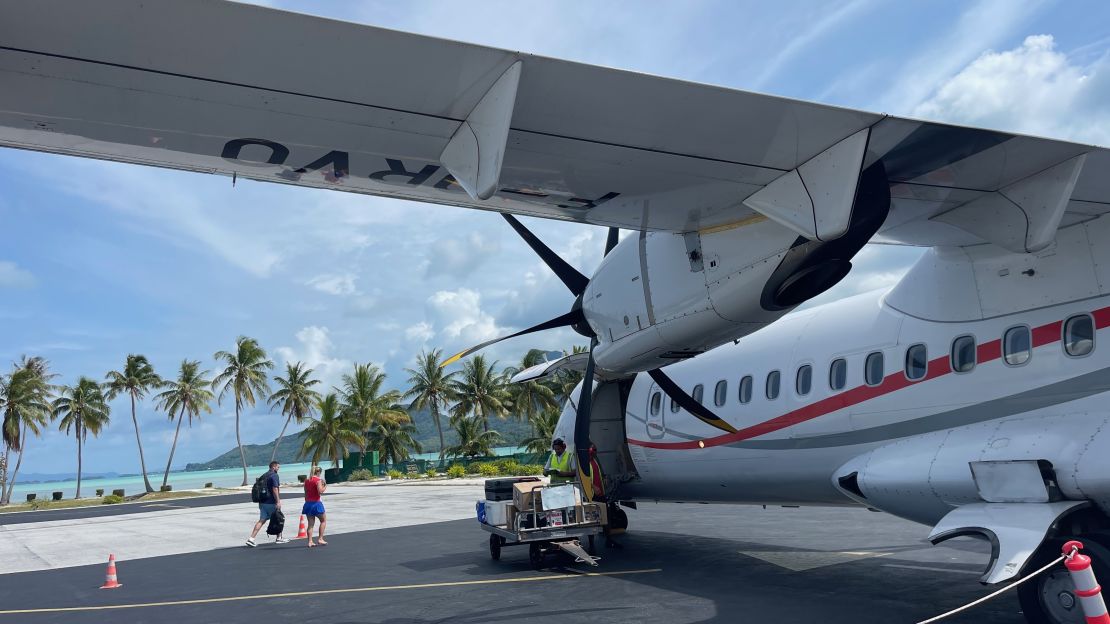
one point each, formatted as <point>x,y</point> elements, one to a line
<point>269,501</point>
<point>313,506</point>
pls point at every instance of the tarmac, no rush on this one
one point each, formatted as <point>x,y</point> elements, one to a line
<point>402,555</point>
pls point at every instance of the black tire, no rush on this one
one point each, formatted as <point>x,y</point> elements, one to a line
<point>1050,598</point>
<point>617,518</point>
<point>535,555</point>
<point>495,542</point>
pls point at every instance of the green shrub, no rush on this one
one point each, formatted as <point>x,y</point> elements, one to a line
<point>510,467</point>
<point>112,499</point>
<point>118,493</point>
<point>208,486</point>
<point>362,474</point>
<point>456,471</point>
<point>486,470</point>
<point>530,470</point>
<point>431,473</point>
<point>395,474</point>
<point>56,496</point>
<point>166,488</point>
<point>100,492</point>
<point>37,504</point>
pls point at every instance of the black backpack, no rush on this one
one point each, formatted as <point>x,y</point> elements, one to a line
<point>277,523</point>
<point>261,490</point>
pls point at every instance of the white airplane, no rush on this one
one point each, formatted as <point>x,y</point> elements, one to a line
<point>967,398</point>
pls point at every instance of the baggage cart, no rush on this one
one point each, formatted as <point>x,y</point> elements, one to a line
<point>545,540</point>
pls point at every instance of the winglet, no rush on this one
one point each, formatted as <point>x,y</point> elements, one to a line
<point>477,149</point>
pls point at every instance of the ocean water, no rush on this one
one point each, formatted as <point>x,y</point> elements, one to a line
<point>180,480</point>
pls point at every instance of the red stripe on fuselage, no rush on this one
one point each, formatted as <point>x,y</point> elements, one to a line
<point>938,367</point>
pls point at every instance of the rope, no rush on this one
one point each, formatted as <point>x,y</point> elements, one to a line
<point>1004,589</point>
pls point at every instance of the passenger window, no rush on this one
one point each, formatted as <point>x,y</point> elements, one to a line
<point>699,391</point>
<point>773,379</point>
<point>1079,335</point>
<point>674,406</point>
<point>720,393</point>
<point>746,389</point>
<point>656,400</point>
<point>1017,345</point>
<point>838,374</point>
<point>963,354</point>
<point>873,368</point>
<point>917,362</point>
<point>804,380</point>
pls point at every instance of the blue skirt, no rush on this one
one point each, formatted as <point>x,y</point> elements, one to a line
<point>313,509</point>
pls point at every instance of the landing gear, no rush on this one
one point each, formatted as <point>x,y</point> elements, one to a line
<point>1050,598</point>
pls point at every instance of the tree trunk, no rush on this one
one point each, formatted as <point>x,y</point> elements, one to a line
<point>139,441</point>
<point>7,493</point>
<point>173,447</point>
<point>439,428</point>
<point>78,494</point>
<point>239,441</point>
<point>280,436</point>
<point>4,466</point>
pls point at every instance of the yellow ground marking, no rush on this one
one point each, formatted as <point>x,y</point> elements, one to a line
<point>321,592</point>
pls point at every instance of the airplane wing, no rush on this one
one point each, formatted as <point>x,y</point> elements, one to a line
<point>262,94</point>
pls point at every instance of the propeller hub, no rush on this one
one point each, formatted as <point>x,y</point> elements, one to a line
<point>581,326</point>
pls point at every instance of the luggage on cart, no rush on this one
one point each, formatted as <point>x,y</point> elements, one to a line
<point>502,489</point>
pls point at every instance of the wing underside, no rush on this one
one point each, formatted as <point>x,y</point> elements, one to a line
<point>268,95</point>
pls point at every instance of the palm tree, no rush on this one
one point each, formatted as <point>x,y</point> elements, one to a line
<point>430,388</point>
<point>25,396</point>
<point>473,440</point>
<point>136,379</point>
<point>364,403</point>
<point>82,409</point>
<point>330,435</point>
<point>296,397</point>
<point>244,376</point>
<point>529,397</point>
<point>187,396</point>
<point>543,424</point>
<point>480,392</point>
<point>393,440</point>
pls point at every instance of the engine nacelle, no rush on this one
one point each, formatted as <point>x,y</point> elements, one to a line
<point>660,297</point>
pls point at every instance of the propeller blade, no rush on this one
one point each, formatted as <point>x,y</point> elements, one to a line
<point>687,402</point>
<point>570,318</point>
<point>582,427</point>
<point>575,281</point>
<point>611,239</point>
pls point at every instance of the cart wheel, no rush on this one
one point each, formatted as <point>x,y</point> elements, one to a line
<point>535,555</point>
<point>495,542</point>
<point>590,546</point>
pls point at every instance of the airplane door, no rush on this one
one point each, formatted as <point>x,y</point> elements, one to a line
<point>656,426</point>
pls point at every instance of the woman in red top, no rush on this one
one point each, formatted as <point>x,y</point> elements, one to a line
<point>313,508</point>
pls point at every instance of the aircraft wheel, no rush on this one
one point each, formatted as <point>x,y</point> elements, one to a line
<point>1050,598</point>
<point>535,555</point>
<point>495,543</point>
<point>617,518</point>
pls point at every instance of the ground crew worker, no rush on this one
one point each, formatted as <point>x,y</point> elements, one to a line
<point>560,466</point>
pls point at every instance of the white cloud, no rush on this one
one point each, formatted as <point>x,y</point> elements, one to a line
<point>985,24</point>
<point>1032,89</point>
<point>315,350</point>
<point>460,256</point>
<point>421,332</point>
<point>336,284</point>
<point>11,276</point>
<point>459,317</point>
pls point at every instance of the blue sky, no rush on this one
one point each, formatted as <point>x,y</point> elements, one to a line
<point>98,260</point>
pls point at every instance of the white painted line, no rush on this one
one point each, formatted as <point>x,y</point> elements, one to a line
<point>931,569</point>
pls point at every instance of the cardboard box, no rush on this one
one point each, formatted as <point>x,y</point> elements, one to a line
<point>596,512</point>
<point>522,496</point>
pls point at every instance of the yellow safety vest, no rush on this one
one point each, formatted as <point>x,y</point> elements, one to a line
<point>560,464</point>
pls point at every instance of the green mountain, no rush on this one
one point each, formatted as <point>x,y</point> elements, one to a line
<point>512,431</point>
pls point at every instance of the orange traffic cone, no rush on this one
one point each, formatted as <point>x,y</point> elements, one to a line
<point>302,533</point>
<point>110,581</point>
